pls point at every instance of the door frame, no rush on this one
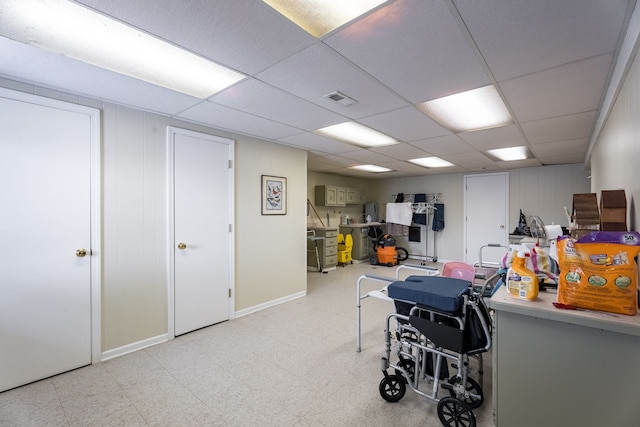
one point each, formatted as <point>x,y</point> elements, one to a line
<point>466,208</point>
<point>171,243</point>
<point>95,208</point>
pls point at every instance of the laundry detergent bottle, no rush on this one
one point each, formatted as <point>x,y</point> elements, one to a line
<point>522,283</point>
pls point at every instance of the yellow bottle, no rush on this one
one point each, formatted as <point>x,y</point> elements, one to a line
<point>522,283</point>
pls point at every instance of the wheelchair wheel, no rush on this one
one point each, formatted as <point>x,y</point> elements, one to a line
<point>472,387</point>
<point>403,254</point>
<point>392,388</point>
<point>454,412</point>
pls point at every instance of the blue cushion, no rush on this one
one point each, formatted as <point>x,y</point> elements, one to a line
<point>435,292</point>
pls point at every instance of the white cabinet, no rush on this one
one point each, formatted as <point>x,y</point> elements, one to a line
<point>341,196</point>
<point>331,195</point>
<point>351,195</point>
<point>354,196</point>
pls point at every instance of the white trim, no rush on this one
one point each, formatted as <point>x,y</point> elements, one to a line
<point>171,132</point>
<point>133,347</point>
<point>270,304</point>
<point>95,209</point>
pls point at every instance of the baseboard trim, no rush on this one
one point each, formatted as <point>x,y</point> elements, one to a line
<point>269,304</point>
<point>130,348</point>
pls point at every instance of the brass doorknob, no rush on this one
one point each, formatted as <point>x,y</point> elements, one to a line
<point>182,246</point>
<point>81,252</point>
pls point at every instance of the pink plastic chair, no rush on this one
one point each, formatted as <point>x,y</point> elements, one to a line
<point>459,270</point>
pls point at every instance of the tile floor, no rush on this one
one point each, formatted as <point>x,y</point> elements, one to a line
<point>290,365</point>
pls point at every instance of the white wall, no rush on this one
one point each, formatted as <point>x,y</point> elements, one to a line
<point>270,251</point>
<point>541,191</point>
<point>615,160</point>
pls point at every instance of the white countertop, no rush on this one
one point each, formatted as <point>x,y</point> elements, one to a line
<point>543,308</point>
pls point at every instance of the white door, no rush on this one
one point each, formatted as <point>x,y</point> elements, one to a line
<point>46,240</point>
<point>202,237</point>
<point>486,215</point>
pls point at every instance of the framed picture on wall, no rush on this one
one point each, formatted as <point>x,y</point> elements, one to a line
<point>274,195</point>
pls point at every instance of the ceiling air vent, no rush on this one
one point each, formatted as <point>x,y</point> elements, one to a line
<point>340,98</point>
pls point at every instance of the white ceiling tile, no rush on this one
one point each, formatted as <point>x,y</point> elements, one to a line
<point>406,124</point>
<point>561,148</point>
<point>551,60</point>
<point>560,128</point>
<point>570,89</point>
<point>449,144</point>
<point>318,71</point>
<point>562,160</point>
<point>500,137</point>
<point>339,160</point>
<point>403,151</point>
<point>469,160</point>
<point>415,48</point>
<point>519,37</point>
<point>365,156</point>
<point>261,99</point>
<point>222,117</point>
<point>316,142</point>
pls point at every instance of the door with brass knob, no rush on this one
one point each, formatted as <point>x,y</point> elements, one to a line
<point>202,272</point>
<point>46,299</point>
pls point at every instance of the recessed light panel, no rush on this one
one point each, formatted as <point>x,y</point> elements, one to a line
<point>510,154</point>
<point>355,133</point>
<point>432,162</point>
<point>319,17</point>
<point>71,30</point>
<point>467,111</point>
<point>371,168</point>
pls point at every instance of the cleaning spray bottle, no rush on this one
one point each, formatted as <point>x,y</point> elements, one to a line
<point>522,283</point>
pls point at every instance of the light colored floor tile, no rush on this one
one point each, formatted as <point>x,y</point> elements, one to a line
<point>35,405</point>
<point>290,365</point>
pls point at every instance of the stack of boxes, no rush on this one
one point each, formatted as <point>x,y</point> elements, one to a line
<point>611,216</point>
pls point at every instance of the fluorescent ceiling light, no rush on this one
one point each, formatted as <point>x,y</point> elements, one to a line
<point>355,133</point>
<point>319,17</point>
<point>432,162</point>
<point>66,28</point>
<point>510,154</point>
<point>371,168</point>
<point>471,110</point>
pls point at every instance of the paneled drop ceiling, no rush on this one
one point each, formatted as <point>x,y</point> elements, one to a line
<point>550,60</point>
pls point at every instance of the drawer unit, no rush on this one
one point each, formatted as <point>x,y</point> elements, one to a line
<point>327,249</point>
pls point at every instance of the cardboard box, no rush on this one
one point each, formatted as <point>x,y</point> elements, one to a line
<point>613,210</point>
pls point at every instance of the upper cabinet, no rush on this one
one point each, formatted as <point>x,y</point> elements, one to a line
<point>331,195</point>
<point>354,196</point>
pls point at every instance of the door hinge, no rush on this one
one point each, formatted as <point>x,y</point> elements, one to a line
<point>230,164</point>
<point>230,228</point>
<point>229,292</point>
